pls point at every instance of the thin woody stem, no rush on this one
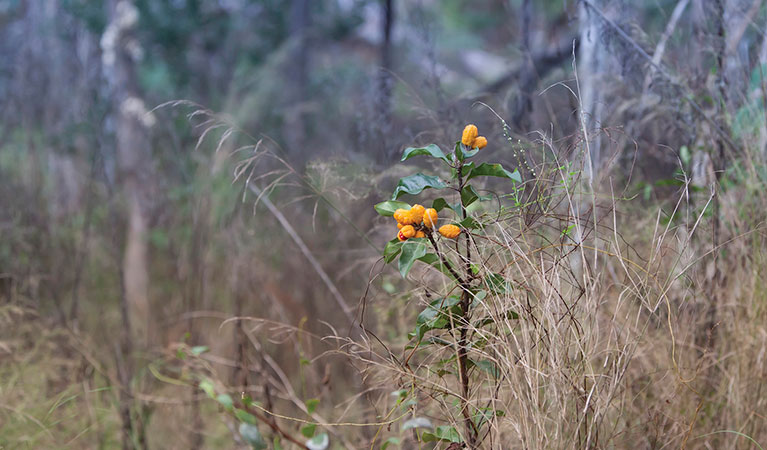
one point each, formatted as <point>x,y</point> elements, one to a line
<point>463,357</point>
<point>445,262</point>
<point>273,425</point>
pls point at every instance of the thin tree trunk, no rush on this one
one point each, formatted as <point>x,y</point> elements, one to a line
<point>119,57</point>
<point>590,56</point>
<point>298,78</point>
<point>384,87</point>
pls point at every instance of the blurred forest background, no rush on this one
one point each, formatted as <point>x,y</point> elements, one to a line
<point>131,234</point>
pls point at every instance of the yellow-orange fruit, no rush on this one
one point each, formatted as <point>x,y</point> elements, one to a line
<point>399,215</point>
<point>399,226</point>
<point>479,142</point>
<point>416,213</point>
<point>430,217</point>
<point>469,133</point>
<point>449,231</point>
<point>408,231</point>
<point>401,237</point>
<point>420,234</point>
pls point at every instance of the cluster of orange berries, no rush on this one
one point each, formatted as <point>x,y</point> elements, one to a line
<point>470,139</point>
<point>417,221</point>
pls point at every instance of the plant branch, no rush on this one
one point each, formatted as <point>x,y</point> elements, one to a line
<point>273,425</point>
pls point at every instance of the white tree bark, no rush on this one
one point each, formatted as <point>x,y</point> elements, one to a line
<point>120,53</point>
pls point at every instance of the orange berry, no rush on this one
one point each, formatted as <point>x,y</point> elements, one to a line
<point>469,133</point>
<point>416,213</point>
<point>430,217</point>
<point>420,234</point>
<point>399,226</point>
<point>479,142</point>
<point>401,237</point>
<point>399,215</point>
<point>408,231</point>
<point>449,231</point>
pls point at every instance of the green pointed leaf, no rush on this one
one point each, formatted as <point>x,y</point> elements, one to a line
<point>252,436</point>
<point>485,415</point>
<point>469,223</point>
<point>226,401</point>
<point>387,208</point>
<point>469,153</point>
<point>311,405</point>
<point>431,150</point>
<point>308,430</point>
<point>442,433</point>
<point>411,251</point>
<point>494,170</point>
<point>487,366</point>
<point>199,350</point>
<point>439,204</point>
<point>415,184</point>
<point>207,387</point>
<point>496,283</point>
<point>245,416</point>
<point>390,441</point>
<point>434,261</point>
<point>436,316</point>
<point>392,249</point>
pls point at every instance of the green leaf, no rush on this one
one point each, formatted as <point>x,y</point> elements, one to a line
<point>390,441</point>
<point>496,283</point>
<point>485,415</point>
<point>493,170</point>
<point>207,387</point>
<point>319,442</point>
<point>387,208</point>
<point>439,204</point>
<point>308,430</point>
<point>468,195</point>
<point>245,416</point>
<point>436,316</point>
<point>566,231</point>
<point>411,251</point>
<point>487,366</point>
<point>443,433</point>
<point>199,350</point>
<point>415,184</point>
<point>469,153</point>
<point>400,395</point>
<point>684,155</point>
<point>252,436</point>
<point>311,405</point>
<point>392,249</point>
<point>226,401</point>
<point>469,223</point>
<point>434,261</point>
<point>431,150</point>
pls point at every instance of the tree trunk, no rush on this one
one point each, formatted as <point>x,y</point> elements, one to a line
<point>298,79</point>
<point>384,87</point>
<point>590,57</point>
<point>120,53</point>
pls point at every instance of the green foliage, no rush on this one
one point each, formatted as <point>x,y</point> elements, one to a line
<point>442,434</point>
<point>432,150</point>
<point>252,436</point>
<point>444,317</point>
<point>387,208</point>
<point>415,184</point>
